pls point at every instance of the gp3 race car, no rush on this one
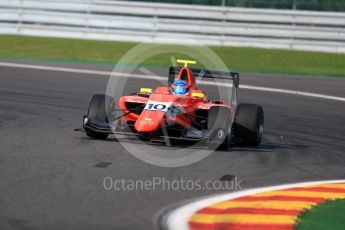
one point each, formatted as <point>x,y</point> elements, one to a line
<point>182,111</point>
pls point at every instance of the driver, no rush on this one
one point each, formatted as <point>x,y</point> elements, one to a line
<point>180,87</point>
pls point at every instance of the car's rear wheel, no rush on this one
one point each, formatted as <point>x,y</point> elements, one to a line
<point>249,124</point>
<point>98,111</point>
<point>171,77</point>
<point>219,126</point>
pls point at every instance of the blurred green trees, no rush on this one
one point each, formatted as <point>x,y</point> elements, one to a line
<point>317,5</point>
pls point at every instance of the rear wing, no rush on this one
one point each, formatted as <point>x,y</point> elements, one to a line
<point>205,73</point>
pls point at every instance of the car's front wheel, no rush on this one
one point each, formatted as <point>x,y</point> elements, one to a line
<point>249,124</point>
<point>219,126</point>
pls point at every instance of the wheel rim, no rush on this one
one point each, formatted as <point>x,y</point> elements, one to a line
<point>220,134</point>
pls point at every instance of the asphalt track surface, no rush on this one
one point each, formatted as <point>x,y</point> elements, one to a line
<point>52,177</point>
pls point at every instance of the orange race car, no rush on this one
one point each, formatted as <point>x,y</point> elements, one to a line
<point>181,111</point>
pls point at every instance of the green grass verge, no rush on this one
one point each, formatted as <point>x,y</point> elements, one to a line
<point>330,215</point>
<point>240,59</point>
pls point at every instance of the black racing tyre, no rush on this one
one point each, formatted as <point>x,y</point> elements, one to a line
<point>98,111</point>
<point>219,126</point>
<point>249,124</point>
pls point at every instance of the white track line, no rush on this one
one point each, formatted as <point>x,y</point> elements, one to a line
<point>53,68</point>
<point>107,73</point>
<point>178,219</point>
<point>293,92</point>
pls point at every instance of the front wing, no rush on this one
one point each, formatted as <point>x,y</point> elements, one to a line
<point>124,129</point>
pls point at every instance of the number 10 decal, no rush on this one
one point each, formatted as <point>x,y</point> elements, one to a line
<point>158,106</point>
